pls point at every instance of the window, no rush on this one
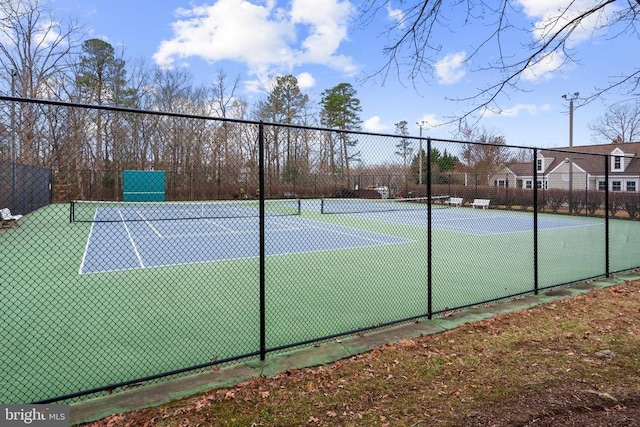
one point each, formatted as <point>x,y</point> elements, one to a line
<point>602,186</point>
<point>501,183</point>
<point>539,164</point>
<point>541,184</point>
<point>617,162</point>
<point>616,185</point>
<point>631,186</point>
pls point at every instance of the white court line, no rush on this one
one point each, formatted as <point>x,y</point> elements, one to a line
<point>344,233</point>
<point>86,247</point>
<point>177,264</point>
<point>146,221</point>
<point>135,249</point>
<point>288,225</point>
<point>232,231</point>
<point>467,218</point>
<point>474,230</point>
<point>316,225</point>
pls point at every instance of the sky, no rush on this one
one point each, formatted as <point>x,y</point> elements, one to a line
<point>327,42</point>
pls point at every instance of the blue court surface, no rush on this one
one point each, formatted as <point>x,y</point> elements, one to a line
<point>126,240</point>
<point>127,245</point>
<point>479,222</point>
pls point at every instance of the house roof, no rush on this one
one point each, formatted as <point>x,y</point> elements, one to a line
<point>521,168</point>
<point>587,157</point>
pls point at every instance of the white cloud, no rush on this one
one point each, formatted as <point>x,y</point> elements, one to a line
<point>305,81</point>
<point>47,33</point>
<point>449,69</point>
<point>374,124</point>
<point>530,109</point>
<point>326,21</point>
<point>228,29</point>
<point>430,121</point>
<point>262,36</point>
<point>544,68</point>
<point>396,15</point>
<point>551,15</point>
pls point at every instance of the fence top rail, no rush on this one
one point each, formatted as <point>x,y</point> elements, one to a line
<point>573,150</point>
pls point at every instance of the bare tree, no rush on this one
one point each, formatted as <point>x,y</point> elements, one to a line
<point>484,152</point>
<point>621,123</point>
<point>34,49</point>
<point>414,47</point>
<point>225,147</point>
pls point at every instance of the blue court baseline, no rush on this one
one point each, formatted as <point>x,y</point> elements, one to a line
<point>127,245</point>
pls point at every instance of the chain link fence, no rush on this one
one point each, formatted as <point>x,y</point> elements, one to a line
<point>271,237</point>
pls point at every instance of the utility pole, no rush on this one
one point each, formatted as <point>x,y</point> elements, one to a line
<point>570,98</point>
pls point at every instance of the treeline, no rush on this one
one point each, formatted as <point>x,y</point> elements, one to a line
<point>75,140</point>
<point>41,57</point>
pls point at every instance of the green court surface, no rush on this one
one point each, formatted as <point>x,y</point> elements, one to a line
<point>64,332</point>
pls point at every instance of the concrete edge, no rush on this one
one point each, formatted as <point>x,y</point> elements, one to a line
<point>320,354</point>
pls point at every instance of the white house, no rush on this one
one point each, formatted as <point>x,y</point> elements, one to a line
<point>588,163</point>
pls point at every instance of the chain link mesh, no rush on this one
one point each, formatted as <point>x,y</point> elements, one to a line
<point>263,237</point>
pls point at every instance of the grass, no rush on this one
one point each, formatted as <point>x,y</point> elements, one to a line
<point>548,365</point>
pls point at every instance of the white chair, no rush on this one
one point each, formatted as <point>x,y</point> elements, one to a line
<point>5,215</point>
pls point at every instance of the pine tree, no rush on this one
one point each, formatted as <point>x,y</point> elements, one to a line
<point>341,111</point>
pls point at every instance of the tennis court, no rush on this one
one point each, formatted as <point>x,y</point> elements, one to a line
<point>138,235</point>
<point>119,294</point>
<point>125,237</point>
<point>462,220</point>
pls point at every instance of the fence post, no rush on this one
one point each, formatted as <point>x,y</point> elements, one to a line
<point>606,214</point>
<point>535,221</point>
<point>429,234</point>
<point>263,346</point>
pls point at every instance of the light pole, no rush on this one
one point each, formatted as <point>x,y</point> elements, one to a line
<point>420,125</point>
<point>571,98</point>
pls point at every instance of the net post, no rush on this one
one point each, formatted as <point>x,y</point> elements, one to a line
<point>71,213</point>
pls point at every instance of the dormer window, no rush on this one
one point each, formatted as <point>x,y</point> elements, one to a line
<point>617,160</point>
<point>540,163</point>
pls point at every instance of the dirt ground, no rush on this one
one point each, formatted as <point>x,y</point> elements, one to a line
<point>569,405</point>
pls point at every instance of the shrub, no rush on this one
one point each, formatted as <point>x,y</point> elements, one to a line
<point>555,199</point>
<point>578,201</point>
<point>594,201</point>
<point>615,203</point>
<point>630,202</point>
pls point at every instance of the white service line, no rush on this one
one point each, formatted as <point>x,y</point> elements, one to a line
<point>135,249</point>
<point>146,221</point>
<point>86,247</point>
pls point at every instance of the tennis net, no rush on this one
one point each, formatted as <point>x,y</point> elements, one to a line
<point>345,206</point>
<point>102,211</point>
